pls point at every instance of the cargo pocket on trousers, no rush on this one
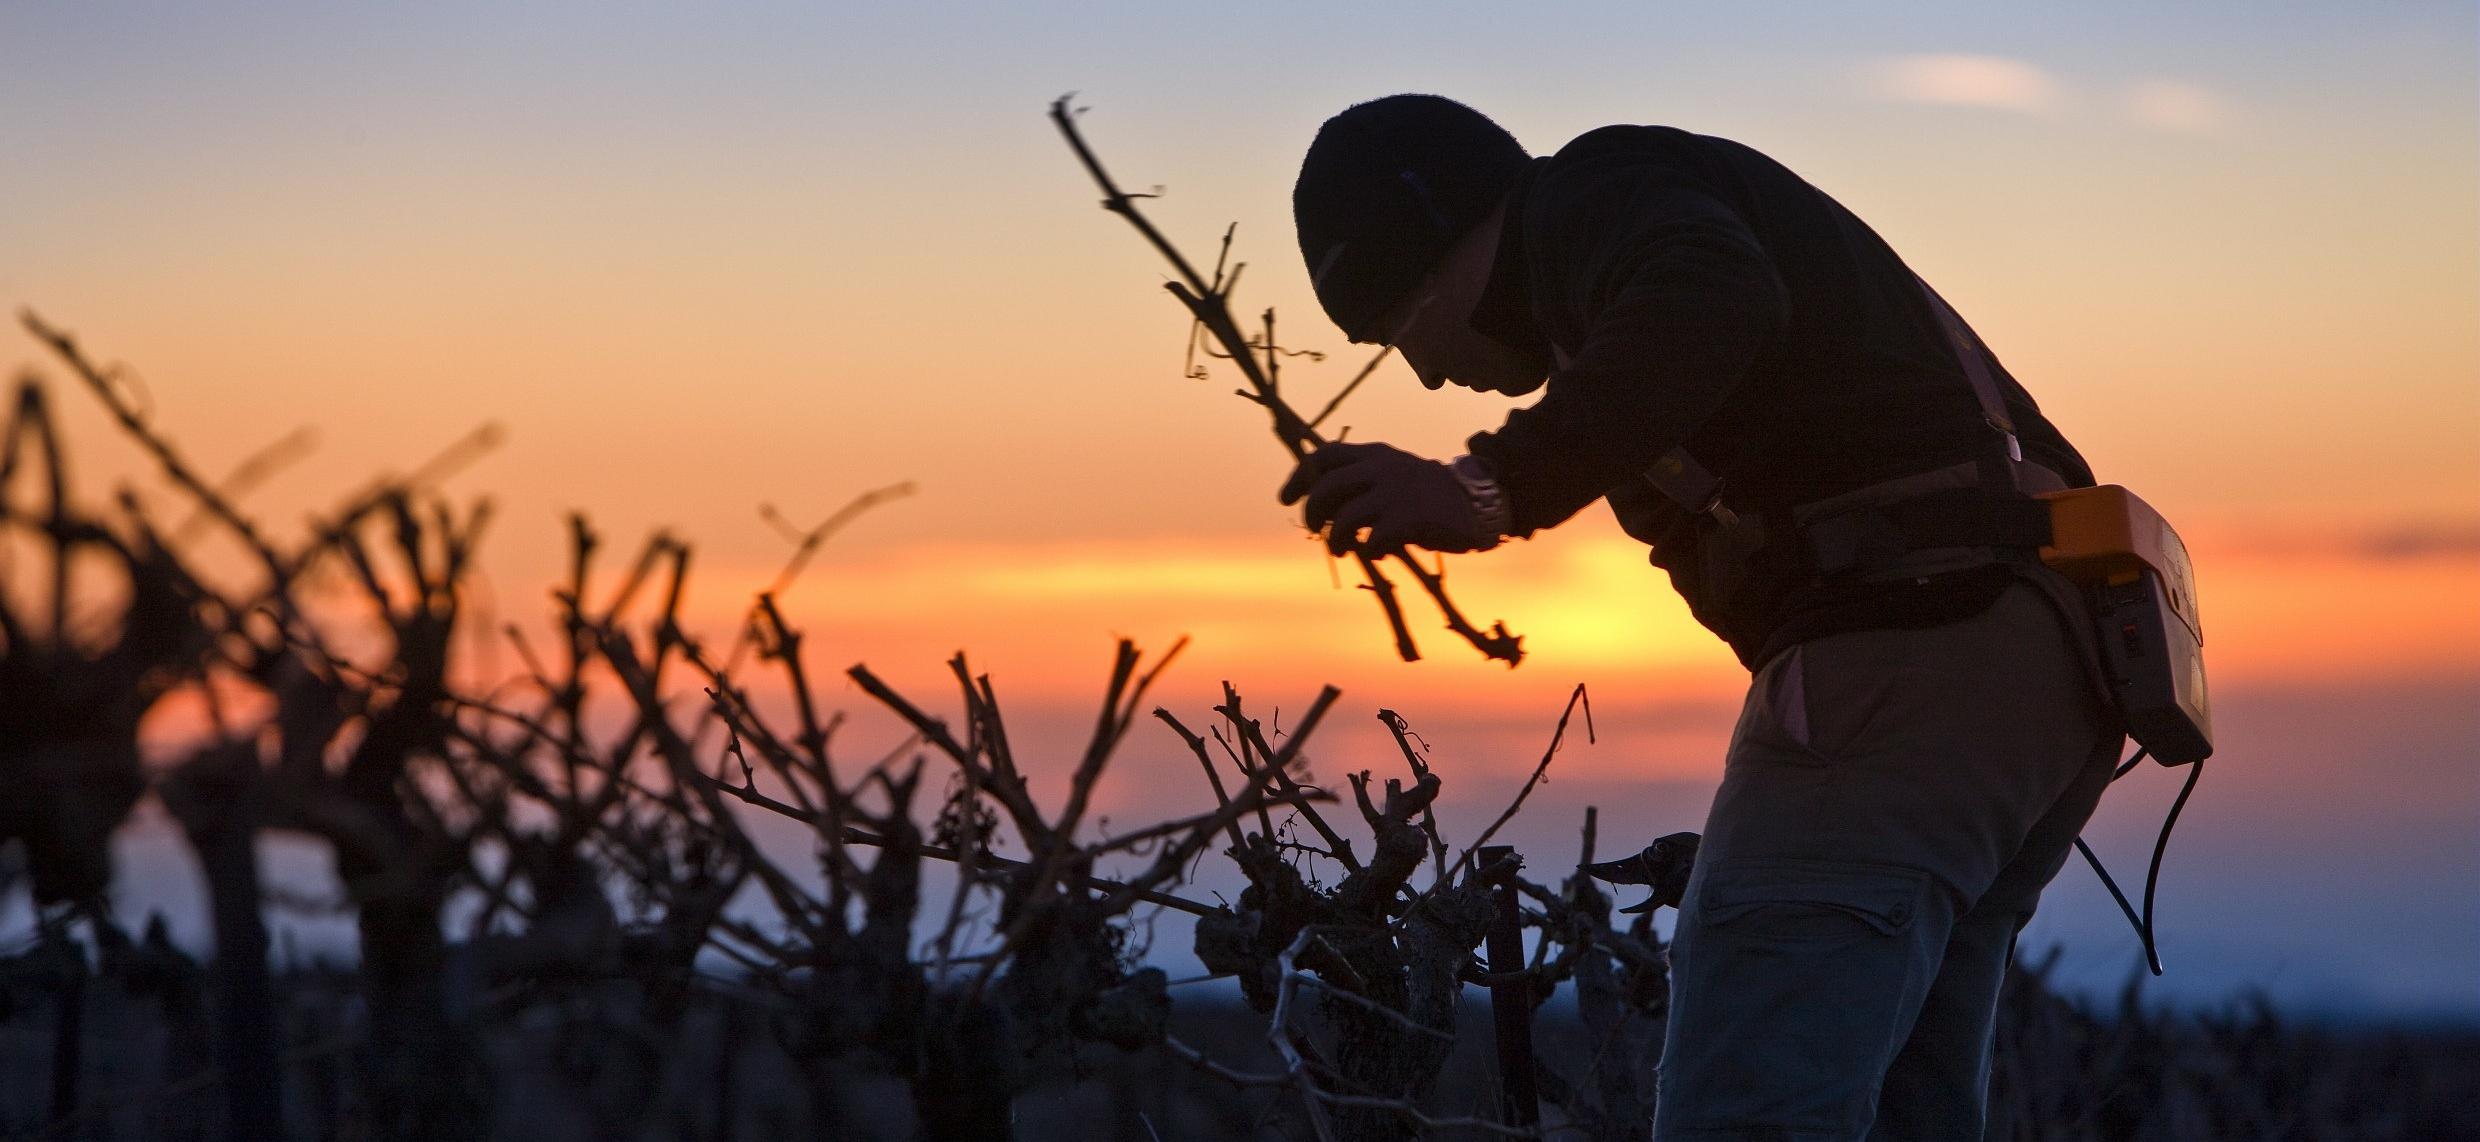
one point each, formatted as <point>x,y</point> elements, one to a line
<point>1823,899</point>
<point>1799,983</point>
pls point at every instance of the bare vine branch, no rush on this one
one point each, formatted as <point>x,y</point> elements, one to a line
<point>1208,301</point>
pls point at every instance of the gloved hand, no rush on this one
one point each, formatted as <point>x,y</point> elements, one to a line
<point>1399,497</point>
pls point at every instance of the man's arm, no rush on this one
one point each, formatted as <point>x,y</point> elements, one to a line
<point>1677,301</point>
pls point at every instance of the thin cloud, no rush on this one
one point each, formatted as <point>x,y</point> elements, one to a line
<point>2422,541</point>
<point>2005,83</point>
<point>2174,105</point>
<point>1999,83</point>
<point>2402,541</point>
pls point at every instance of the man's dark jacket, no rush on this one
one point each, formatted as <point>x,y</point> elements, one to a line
<point>1703,295</point>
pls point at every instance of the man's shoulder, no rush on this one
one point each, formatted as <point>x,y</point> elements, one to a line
<point>1643,142</point>
<point>1613,172</point>
<point>1624,158</point>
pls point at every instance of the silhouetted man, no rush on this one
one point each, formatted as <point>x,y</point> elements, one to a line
<point>1832,469</point>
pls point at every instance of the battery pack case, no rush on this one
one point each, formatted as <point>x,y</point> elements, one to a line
<point>2136,574</point>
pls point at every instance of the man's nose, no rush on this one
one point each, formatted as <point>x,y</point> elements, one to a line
<point>1431,379</point>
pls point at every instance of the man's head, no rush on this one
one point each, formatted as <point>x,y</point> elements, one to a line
<point>1399,208</point>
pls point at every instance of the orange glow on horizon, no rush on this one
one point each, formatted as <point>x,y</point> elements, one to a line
<point>1589,607</point>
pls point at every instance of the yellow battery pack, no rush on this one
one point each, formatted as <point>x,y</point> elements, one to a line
<point>2136,572</point>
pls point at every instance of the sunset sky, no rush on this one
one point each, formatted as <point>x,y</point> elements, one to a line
<point>697,261</point>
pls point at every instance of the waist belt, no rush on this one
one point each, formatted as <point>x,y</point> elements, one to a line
<point>1876,535</point>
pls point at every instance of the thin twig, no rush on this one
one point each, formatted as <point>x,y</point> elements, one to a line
<point>1383,353</point>
<point>1558,735</point>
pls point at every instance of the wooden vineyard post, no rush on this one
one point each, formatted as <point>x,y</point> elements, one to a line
<point>1511,1000</point>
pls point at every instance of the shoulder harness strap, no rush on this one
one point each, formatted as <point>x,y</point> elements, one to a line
<point>1999,468</point>
<point>1947,522</point>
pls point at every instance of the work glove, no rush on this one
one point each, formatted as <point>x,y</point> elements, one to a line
<point>1399,498</point>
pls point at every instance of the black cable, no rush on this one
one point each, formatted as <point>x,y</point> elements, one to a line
<point>2152,876</point>
<point>2129,910</point>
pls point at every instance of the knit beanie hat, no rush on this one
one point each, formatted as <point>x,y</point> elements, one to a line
<point>1386,188</point>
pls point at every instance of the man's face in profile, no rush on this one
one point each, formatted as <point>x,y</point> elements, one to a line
<point>1432,326</point>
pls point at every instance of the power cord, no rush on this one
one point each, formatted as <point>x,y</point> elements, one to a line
<point>2152,875</point>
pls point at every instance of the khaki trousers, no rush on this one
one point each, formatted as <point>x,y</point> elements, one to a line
<point>1892,805</point>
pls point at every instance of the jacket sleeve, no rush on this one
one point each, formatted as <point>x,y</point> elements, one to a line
<point>1675,299</point>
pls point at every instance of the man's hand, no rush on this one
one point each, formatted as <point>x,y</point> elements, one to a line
<point>1398,497</point>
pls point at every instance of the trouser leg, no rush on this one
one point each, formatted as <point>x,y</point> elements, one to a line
<point>1878,785</point>
<point>1938,1086</point>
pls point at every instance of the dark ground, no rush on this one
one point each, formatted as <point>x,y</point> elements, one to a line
<point>597,1061</point>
